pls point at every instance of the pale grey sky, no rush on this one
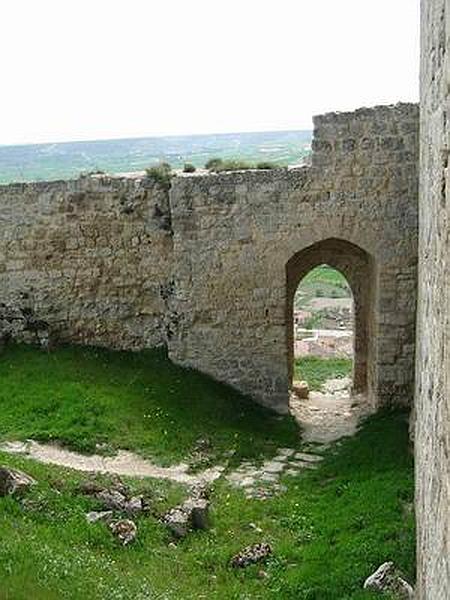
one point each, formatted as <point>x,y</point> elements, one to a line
<point>90,69</point>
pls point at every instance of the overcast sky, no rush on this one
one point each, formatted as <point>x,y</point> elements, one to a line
<point>92,69</point>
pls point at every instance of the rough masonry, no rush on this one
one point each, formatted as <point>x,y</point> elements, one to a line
<point>210,268</point>
<point>432,399</point>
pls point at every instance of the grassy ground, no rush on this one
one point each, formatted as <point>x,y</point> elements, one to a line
<point>317,370</point>
<point>138,401</point>
<point>329,530</point>
<point>323,281</point>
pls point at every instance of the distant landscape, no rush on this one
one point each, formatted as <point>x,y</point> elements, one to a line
<point>40,162</point>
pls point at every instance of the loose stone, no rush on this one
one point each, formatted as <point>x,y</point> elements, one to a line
<point>125,531</point>
<point>94,516</point>
<point>14,482</point>
<point>387,579</point>
<point>251,555</point>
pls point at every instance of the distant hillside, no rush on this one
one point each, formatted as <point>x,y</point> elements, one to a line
<point>69,159</point>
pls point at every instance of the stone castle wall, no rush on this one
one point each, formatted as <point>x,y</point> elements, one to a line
<point>87,259</point>
<point>432,402</point>
<point>234,235</point>
<point>210,268</point>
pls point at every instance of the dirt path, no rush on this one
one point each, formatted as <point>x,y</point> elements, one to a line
<point>123,463</point>
<point>324,418</point>
<point>327,416</point>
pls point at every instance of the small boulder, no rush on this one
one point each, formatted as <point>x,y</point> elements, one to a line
<point>301,389</point>
<point>192,514</point>
<point>177,521</point>
<point>14,482</point>
<point>90,487</point>
<point>198,512</point>
<point>135,505</point>
<point>125,531</point>
<point>387,579</point>
<point>112,499</point>
<point>251,555</point>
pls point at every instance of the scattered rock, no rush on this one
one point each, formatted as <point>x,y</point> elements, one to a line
<point>200,491</point>
<point>307,457</point>
<point>198,512</point>
<point>89,488</point>
<point>118,486</point>
<point>135,505</point>
<point>273,466</point>
<point>112,499</point>
<point>292,471</point>
<point>94,516</point>
<point>387,579</point>
<point>201,453</point>
<point>115,498</point>
<point>177,521</point>
<point>192,514</point>
<point>14,482</point>
<point>269,477</point>
<point>125,531</point>
<point>251,555</point>
<point>337,384</point>
<point>301,389</point>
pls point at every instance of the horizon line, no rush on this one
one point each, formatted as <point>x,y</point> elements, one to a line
<point>155,136</point>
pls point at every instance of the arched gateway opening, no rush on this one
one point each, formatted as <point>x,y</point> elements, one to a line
<point>323,331</point>
<point>358,270</point>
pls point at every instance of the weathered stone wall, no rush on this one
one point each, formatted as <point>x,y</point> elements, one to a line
<point>432,440</point>
<point>234,235</point>
<point>86,259</point>
<point>211,268</point>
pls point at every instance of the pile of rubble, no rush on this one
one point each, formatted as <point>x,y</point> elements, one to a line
<point>117,500</point>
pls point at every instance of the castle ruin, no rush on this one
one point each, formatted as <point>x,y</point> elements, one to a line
<point>209,268</point>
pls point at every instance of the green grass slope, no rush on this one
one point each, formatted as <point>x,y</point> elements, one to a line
<point>137,401</point>
<point>329,530</point>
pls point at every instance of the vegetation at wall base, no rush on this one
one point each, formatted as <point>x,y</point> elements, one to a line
<point>189,168</point>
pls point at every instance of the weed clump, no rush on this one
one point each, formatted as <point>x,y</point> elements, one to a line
<point>214,164</point>
<point>189,168</point>
<point>161,174</point>
<point>236,165</point>
<point>218,165</point>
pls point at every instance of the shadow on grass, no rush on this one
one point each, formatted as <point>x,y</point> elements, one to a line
<point>85,397</point>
